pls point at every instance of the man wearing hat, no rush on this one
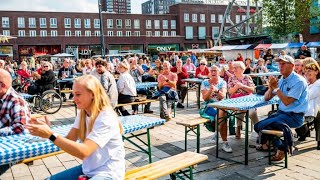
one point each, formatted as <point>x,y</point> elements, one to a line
<point>292,92</point>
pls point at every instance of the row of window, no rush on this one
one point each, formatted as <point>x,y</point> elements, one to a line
<point>87,23</point>
<point>68,33</point>
<point>212,18</point>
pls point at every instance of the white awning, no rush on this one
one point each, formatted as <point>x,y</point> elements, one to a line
<point>278,46</point>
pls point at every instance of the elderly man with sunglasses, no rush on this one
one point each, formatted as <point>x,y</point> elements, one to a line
<point>14,110</point>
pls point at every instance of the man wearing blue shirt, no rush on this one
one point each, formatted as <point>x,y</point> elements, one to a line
<point>292,92</point>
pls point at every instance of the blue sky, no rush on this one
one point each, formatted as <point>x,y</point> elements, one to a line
<point>60,5</point>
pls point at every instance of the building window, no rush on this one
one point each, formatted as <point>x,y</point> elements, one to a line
<point>21,23</point>
<point>220,18</point>
<point>77,33</point>
<point>77,23</point>
<point>173,33</point>
<point>189,32</point>
<point>137,33</point>
<point>148,24</point>
<point>202,18</point>
<point>215,32</point>
<point>119,23</point>
<point>43,23</point>
<point>149,33</point>
<point>128,23</point>
<point>165,33</point>
<point>194,18</point>
<point>32,33</point>
<point>228,19</point>
<point>87,24</point>
<point>97,33</point>
<point>5,22</point>
<point>119,33</point>
<point>110,23</point>
<point>128,33</point>
<point>21,33</point>
<point>110,33</point>
<point>43,33</point>
<point>156,24</point>
<point>244,17</point>
<point>32,23</point>
<point>67,23</point>
<point>237,19</point>
<point>67,33</point>
<point>54,33</point>
<point>53,22</point>
<point>157,33</point>
<point>173,24</point>
<point>136,24</point>
<point>186,17</point>
<point>165,24</point>
<point>213,18</point>
<point>87,33</point>
<point>201,32</point>
<point>6,32</point>
<point>96,23</point>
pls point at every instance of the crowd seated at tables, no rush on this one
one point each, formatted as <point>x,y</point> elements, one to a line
<point>227,74</point>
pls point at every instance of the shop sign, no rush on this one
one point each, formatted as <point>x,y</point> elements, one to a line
<point>85,52</point>
<point>6,50</point>
<point>164,48</point>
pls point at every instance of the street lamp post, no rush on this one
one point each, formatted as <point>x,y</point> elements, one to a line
<point>103,53</point>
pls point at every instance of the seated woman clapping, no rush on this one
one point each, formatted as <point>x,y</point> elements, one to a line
<point>97,127</point>
<point>213,90</point>
<point>312,74</point>
<point>241,85</point>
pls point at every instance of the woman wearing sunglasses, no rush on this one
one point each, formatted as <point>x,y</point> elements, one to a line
<point>44,81</point>
<point>202,70</point>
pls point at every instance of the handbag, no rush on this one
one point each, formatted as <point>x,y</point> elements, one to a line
<point>210,113</point>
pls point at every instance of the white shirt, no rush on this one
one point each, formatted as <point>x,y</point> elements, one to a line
<point>85,70</point>
<point>108,159</point>
<point>313,99</point>
<point>126,84</point>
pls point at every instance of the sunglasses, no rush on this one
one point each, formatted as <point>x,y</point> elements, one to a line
<point>45,66</point>
<point>130,62</point>
<point>202,64</point>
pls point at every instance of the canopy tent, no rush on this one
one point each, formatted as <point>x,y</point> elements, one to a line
<point>226,48</point>
<point>242,47</point>
<point>63,55</point>
<point>263,46</point>
<point>216,48</point>
<point>313,44</point>
<point>295,45</point>
<point>278,46</point>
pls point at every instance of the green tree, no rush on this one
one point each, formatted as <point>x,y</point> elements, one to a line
<point>284,17</point>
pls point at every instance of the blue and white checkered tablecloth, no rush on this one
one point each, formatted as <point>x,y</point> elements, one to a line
<point>193,80</point>
<point>18,147</point>
<point>244,102</point>
<point>144,85</point>
<point>25,96</point>
<point>275,73</point>
<point>65,80</point>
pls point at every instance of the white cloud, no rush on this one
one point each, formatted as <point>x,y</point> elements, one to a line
<point>60,5</point>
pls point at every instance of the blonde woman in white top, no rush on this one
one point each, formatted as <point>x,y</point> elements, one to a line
<point>126,88</point>
<point>99,130</point>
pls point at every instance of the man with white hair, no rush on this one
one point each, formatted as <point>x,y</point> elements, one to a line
<point>14,110</point>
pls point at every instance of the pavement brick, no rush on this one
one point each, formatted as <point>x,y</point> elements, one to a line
<point>70,164</point>
<point>56,170</point>
<point>20,170</point>
<point>39,172</point>
<point>52,161</point>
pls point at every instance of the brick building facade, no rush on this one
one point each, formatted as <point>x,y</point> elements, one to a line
<point>187,26</point>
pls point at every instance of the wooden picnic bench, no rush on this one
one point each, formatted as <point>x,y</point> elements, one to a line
<point>277,135</point>
<point>168,166</point>
<point>190,126</point>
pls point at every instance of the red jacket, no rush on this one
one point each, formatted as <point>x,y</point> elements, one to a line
<point>203,73</point>
<point>183,75</point>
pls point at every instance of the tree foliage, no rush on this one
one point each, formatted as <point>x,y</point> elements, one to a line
<point>284,17</point>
